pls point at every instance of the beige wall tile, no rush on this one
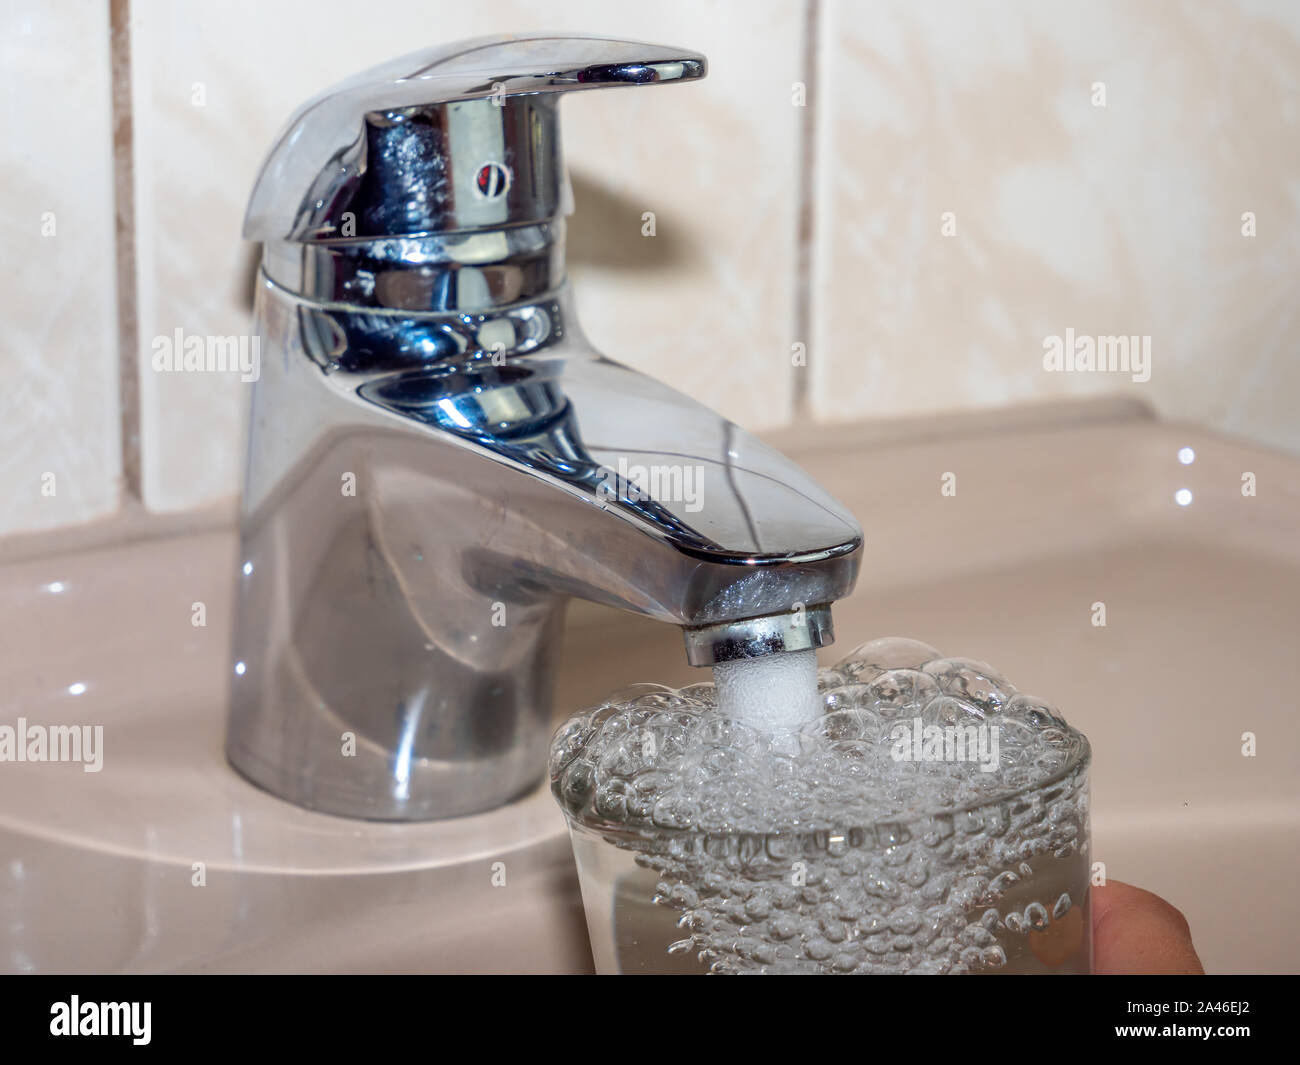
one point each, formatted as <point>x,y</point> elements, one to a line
<point>58,321</point>
<point>706,305</point>
<point>1122,219</point>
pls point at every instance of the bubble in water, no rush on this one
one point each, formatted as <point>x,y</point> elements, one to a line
<point>948,711</point>
<point>897,692</point>
<point>891,652</point>
<point>977,682</point>
<point>1032,711</point>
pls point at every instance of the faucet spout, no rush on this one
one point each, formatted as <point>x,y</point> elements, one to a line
<point>412,533</point>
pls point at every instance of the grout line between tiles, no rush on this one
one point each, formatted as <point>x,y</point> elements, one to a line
<point>801,398</point>
<point>124,227</point>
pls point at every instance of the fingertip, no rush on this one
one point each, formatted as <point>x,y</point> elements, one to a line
<point>1137,932</point>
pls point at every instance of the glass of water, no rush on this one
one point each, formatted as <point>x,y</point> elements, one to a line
<point>702,846</point>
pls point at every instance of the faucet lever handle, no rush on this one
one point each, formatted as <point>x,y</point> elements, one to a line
<point>452,138</point>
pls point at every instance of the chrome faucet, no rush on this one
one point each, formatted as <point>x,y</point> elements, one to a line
<point>438,460</point>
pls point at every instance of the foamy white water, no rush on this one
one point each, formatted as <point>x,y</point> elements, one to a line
<point>776,694</point>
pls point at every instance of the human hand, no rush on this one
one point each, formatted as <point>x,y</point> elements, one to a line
<point>1137,933</point>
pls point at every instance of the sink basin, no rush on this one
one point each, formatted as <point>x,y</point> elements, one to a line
<point>1056,509</point>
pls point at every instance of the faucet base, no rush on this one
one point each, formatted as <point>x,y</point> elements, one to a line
<point>381,670</point>
<point>358,803</point>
